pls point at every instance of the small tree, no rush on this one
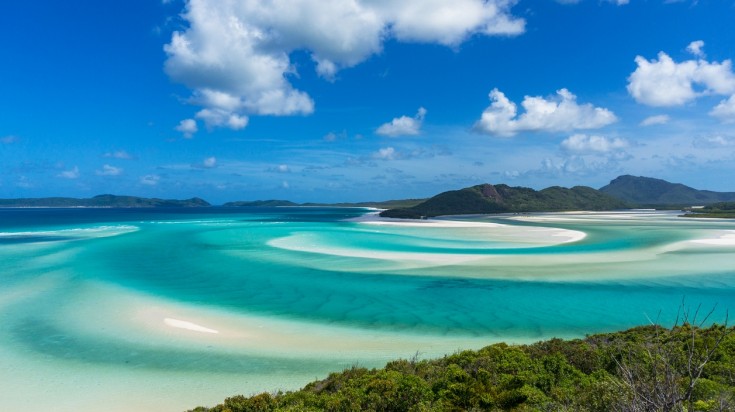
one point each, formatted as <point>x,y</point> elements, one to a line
<point>663,375</point>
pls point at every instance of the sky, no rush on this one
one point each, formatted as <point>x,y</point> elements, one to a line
<point>361,100</point>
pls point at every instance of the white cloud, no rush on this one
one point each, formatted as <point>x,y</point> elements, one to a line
<point>654,120</point>
<point>664,82</point>
<point>119,154</point>
<point>209,162</point>
<point>403,126</point>
<point>188,127</point>
<point>108,170</point>
<point>714,142</point>
<point>695,48</point>
<point>585,144</point>
<point>725,111</point>
<point>222,118</point>
<point>387,153</point>
<point>150,180</point>
<point>560,114</point>
<point>235,55</point>
<point>70,174</point>
<point>283,168</point>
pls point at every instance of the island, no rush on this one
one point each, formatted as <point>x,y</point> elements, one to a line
<point>488,198</point>
<point>111,201</point>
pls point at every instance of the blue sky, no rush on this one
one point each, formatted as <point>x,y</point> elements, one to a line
<point>360,100</point>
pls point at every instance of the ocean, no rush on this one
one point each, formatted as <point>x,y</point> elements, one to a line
<point>167,309</point>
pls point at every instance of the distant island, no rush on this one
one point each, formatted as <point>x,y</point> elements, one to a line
<point>623,192</point>
<point>487,198</point>
<point>103,201</point>
<point>387,204</point>
<point>647,191</point>
<point>260,203</point>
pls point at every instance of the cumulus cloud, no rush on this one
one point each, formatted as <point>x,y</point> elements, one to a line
<point>150,180</point>
<point>387,153</point>
<point>725,111</point>
<point>664,82</point>
<point>188,127</point>
<point>586,144</point>
<point>695,48</point>
<point>73,173</point>
<point>654,120</point>
<point>222,118</point>
<point>562,113</point>
<point>235,55</point>
<point>108,170</point>
<point>403,126</point>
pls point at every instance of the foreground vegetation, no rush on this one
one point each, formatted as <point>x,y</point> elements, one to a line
<point>649,368</point>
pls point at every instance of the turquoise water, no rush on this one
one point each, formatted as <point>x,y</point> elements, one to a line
<point>196,305</point>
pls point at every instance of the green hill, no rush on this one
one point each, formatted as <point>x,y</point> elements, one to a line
<point>103,201</point>
<point>487,198</point>
<point>647,191</point>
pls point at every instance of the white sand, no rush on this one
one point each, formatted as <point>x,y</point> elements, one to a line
<point>97,231</point>
<point>122,314</point>
<point>726,238</point>
<point>184,324</point>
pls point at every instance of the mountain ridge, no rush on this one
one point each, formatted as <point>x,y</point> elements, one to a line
<point>649,191</point>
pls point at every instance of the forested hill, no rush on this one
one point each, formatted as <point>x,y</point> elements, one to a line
<point>649,191</point>
<point>487,198</point>
<point>103,201</point>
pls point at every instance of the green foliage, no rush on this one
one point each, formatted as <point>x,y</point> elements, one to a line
<point>588,374</point>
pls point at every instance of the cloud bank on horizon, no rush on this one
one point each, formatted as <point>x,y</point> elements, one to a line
<point>327,100</point>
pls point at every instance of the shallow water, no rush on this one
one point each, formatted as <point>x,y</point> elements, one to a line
<point>178,308</point>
